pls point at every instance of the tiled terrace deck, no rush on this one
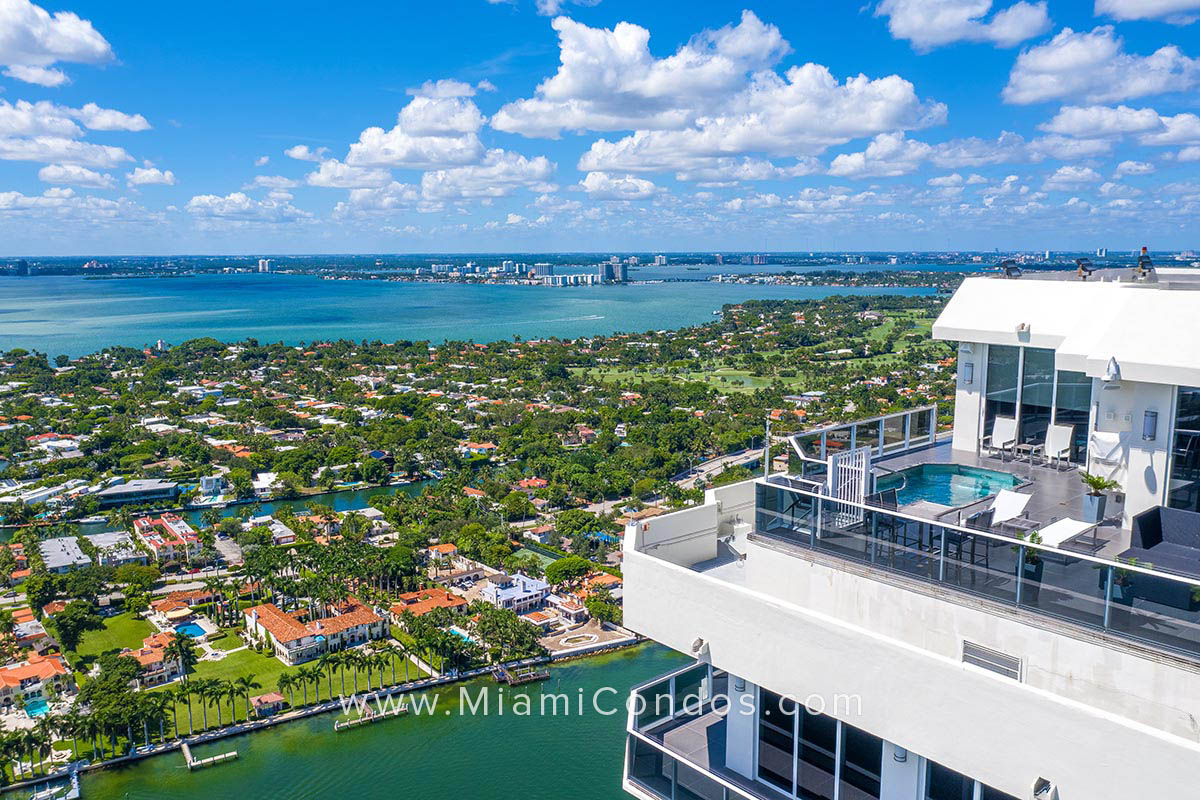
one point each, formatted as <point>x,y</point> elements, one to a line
<point>1056,494</point>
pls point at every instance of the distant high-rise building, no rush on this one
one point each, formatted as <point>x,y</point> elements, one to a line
<point>614,260</point>
<point>264,265</point>
<point>507,266</point>
<point>605,273</point>
<point>720,259</point>
<point>623,273</point>
<point>542,270</point>
<point>661,261</point>
<point>1101,252</point>
<point>1047,256</point>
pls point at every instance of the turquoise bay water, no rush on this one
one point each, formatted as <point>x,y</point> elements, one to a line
<point>432,757</point>
<point>75,316</point>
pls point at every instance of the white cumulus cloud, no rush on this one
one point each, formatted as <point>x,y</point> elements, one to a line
<point>603,186</point>
<point>150,176</point>
<point>499,174</point>
<point>333,174</point>
<point>1094,66</point>
<point>32,40</point>
<point>888,154</point>
<point>1070,178</point>
<point>1179,12</point>
<point>302,152</point>
<point>75,175</point>
<point>933,23</point>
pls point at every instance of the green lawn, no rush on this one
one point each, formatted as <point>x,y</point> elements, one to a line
<point>266,671</point>
<point>229,640</point>
<point>119,632</point>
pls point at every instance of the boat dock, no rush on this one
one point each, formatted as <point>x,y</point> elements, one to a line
<point>341,725</point>
<point>69,792</point>
<point>198,763</point>
<point>520,675</point>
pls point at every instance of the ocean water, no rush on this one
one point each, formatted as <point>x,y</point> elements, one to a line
<point>75,316</point>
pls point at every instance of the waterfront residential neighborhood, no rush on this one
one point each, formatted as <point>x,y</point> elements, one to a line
<point>600,399</point>
<point>190,553</point>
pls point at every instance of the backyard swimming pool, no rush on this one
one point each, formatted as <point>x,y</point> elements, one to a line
<point>36,707</point>
<point>946,484</point>
<point>190,629</point>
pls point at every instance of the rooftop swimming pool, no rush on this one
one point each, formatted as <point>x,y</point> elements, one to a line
<point>946,484</point>
<point>190,629</point>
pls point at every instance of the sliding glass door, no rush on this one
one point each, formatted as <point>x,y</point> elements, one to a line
<point>1000,392</point>
<point>1022,383</point>
<point>1183,490</point>
<point>1037,393</point>
<point>1073,406</point>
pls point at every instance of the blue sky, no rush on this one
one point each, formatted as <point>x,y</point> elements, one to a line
<point>469,125</point>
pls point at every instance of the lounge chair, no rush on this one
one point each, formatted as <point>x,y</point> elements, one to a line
<point>1007,508</point>
<point>1003,436</point>
<point>1057,447</point>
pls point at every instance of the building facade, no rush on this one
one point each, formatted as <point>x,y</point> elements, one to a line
<point>853,641</point>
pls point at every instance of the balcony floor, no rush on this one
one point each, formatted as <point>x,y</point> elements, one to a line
<point>1056,494</point>
<point>701,740</point>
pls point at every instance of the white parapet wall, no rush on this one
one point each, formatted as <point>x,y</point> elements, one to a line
<point>690,536</point>
<point>1098,720</point>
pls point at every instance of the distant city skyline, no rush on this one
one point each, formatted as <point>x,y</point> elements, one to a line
<point>599,126</point>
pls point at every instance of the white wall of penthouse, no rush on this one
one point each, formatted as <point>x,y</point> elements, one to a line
<point>1083,711</point>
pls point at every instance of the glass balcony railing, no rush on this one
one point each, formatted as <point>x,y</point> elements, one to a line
<point>886,435</point>
<point>1130,601</point>
<point>664,704</point>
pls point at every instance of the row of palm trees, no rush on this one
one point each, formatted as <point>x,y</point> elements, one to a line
<point>212,692</point>
<point>143,715</point>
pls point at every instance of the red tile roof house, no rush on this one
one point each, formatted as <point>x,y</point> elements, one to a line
<point>169,537</point>
<point>30,678</point>
<point>266,705</point>
<point>295,639</point>
<point>156,667</point>
<point>426,600</point>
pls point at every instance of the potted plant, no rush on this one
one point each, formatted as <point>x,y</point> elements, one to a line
<point>1095,500</point>
<point>1031,569</point>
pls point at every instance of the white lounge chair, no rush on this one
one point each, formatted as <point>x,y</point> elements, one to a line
<point>1003,437</point>
<point>1057,447</point>
<point>1007,508</point>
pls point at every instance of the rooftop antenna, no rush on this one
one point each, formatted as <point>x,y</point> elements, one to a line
<point>1084,268</point>
<point>766,456</point>
<point>1010,268</point>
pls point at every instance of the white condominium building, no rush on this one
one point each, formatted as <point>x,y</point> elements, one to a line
<point>915,615</point>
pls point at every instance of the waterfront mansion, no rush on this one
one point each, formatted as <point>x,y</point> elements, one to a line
<point>295,638</point>
<point>29,679</point>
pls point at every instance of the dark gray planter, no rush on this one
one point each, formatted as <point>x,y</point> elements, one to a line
<point>1092,507</point>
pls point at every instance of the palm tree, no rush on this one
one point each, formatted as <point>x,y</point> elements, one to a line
<point>156,706</point>
<point>243,685</point>
<point>327,662</point>
<point>311,675</point>
<point>70,724</point>
<point>183,650</point>
<point>203,690</point>
<point>184,692</point>
<point>229,692</point>
<point>354,659</point>
<point>287,683</point>
<point>90,727</point>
